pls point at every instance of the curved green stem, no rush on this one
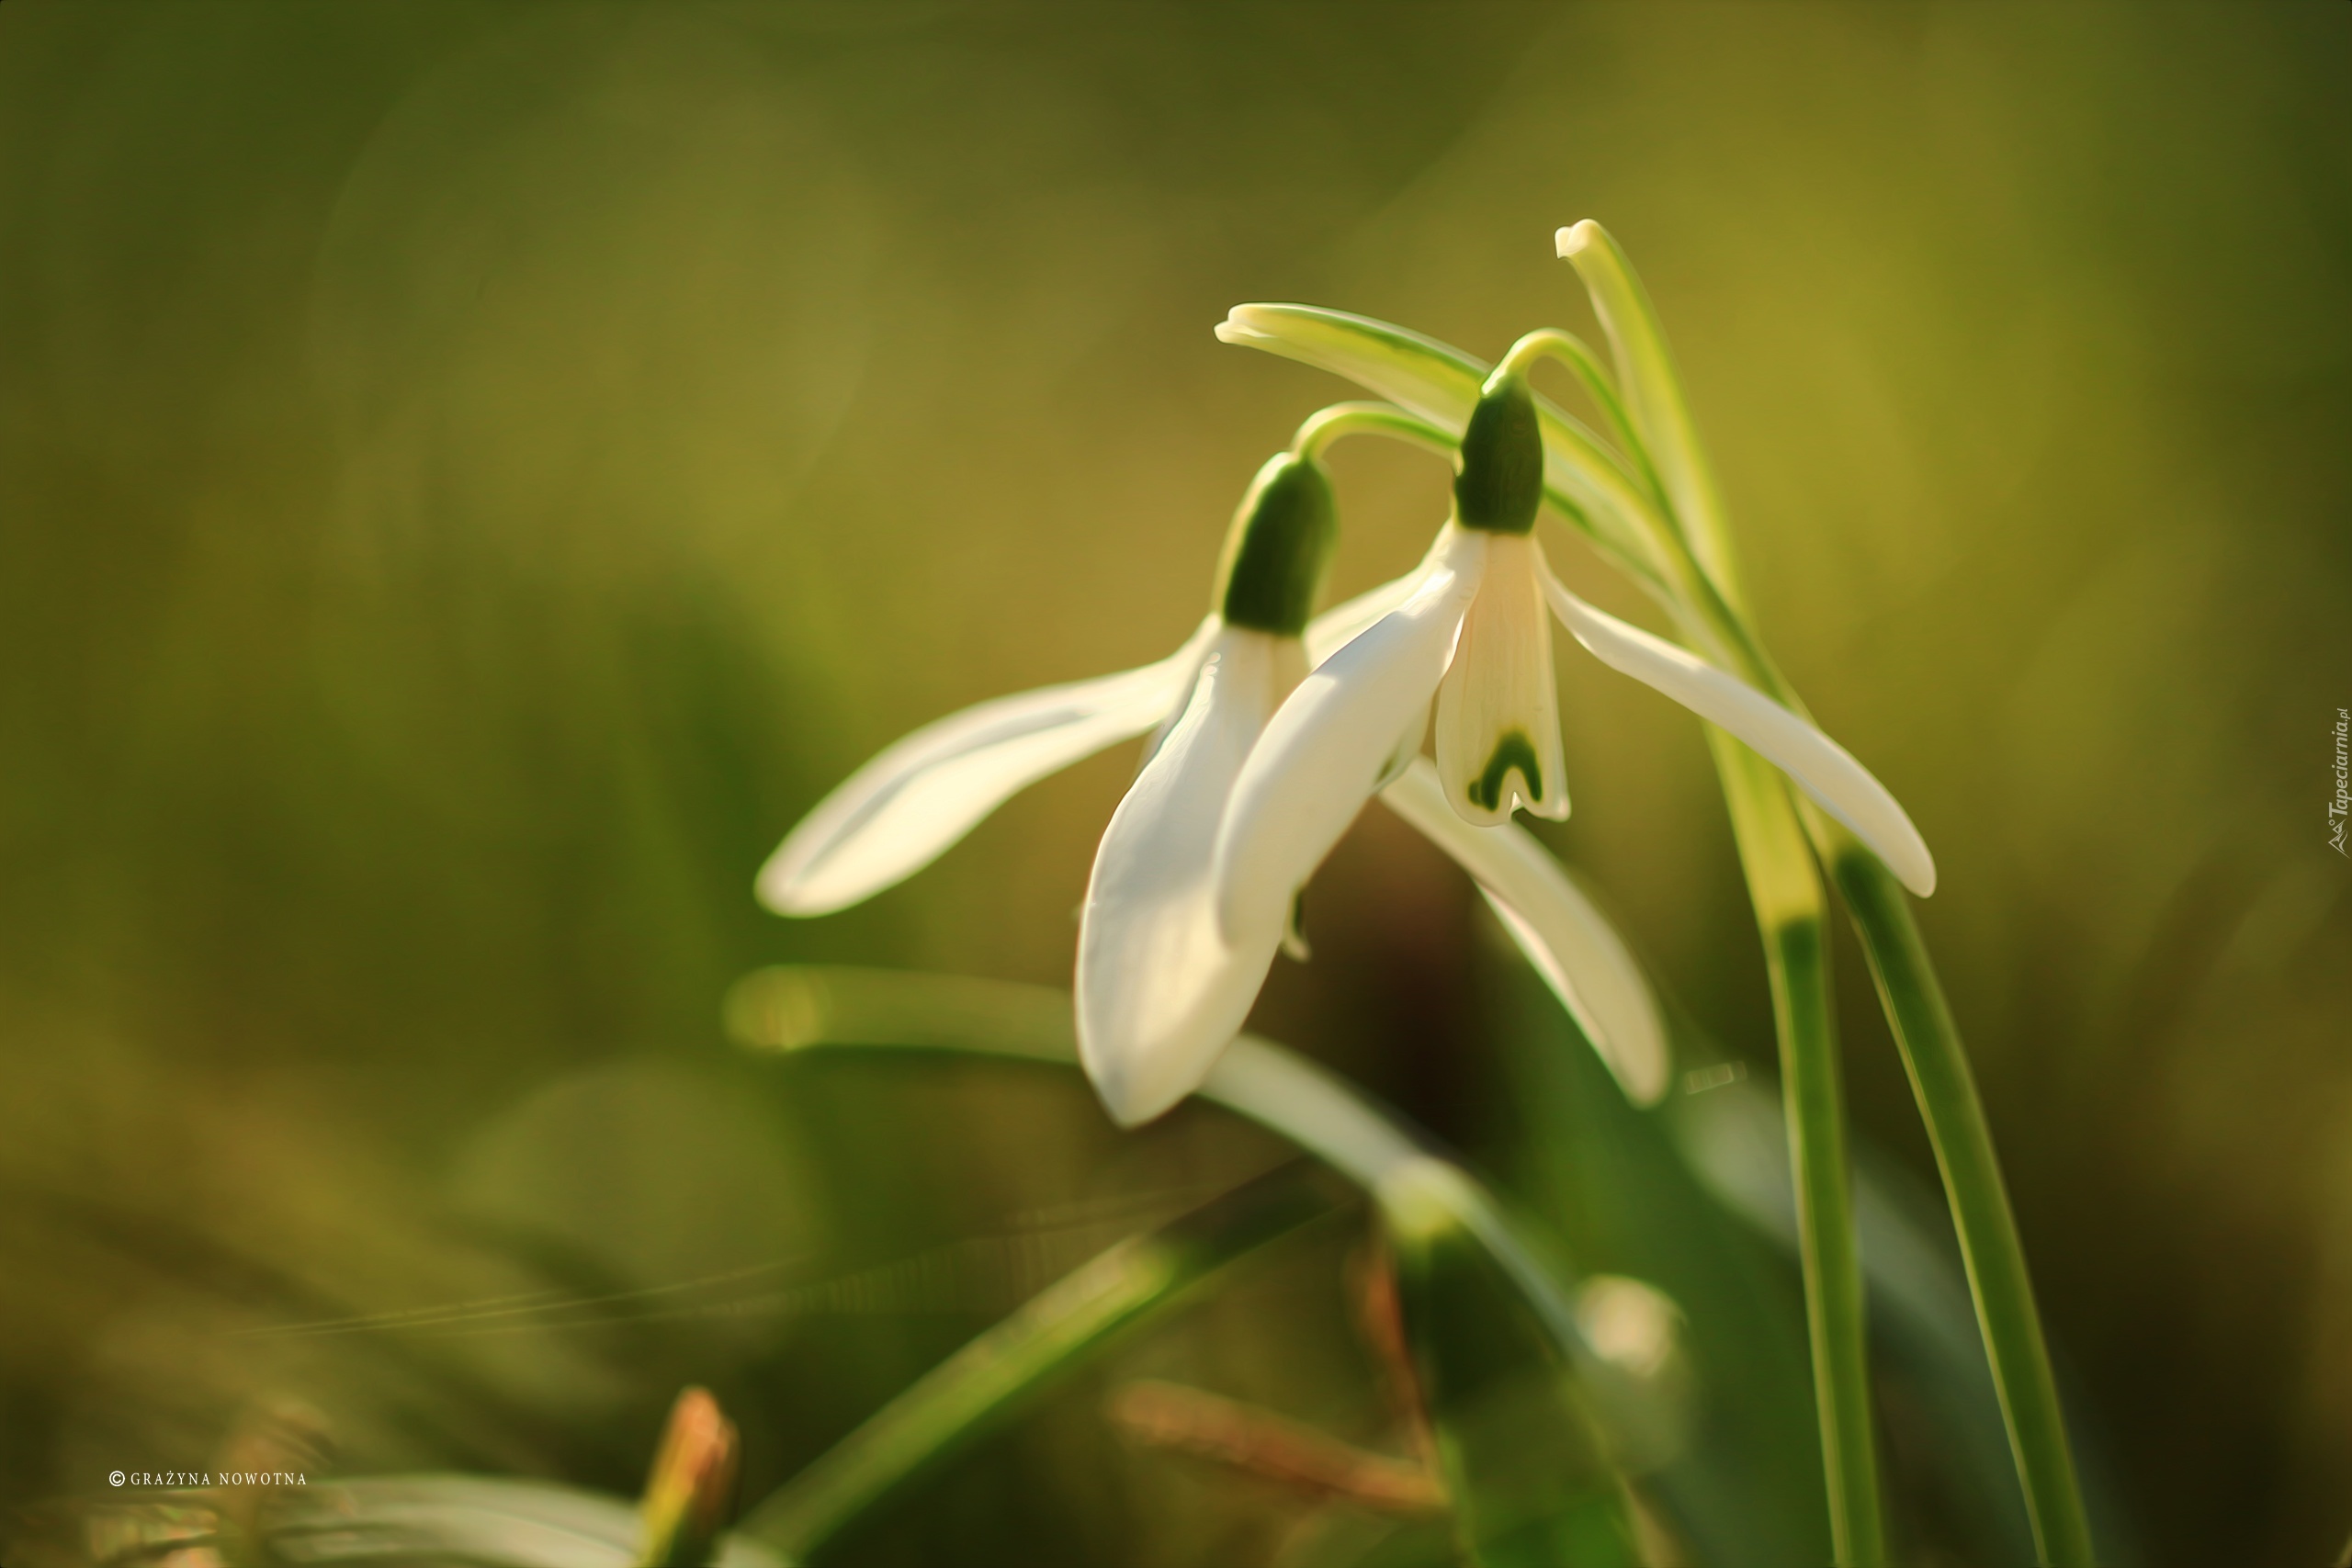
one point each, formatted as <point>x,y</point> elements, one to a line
<point>1320,429</point>
<point>1946,1090</point>
<point>1908,990</point>
<point>1695,553</point>
<point>1790,907</point>
<point>1551,343</point>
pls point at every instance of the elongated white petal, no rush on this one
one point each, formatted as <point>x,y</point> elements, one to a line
<point>901,810</point>
<point>1819,765</point>
<point>1498,709</point>
<point>1160,993</point>
<point>1328,747</point>
<point>1570,943</point>
<point>1341,624</point>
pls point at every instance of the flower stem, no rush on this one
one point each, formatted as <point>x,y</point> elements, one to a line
<point>1790,907</point>
<point>1551,343</point>
<point>1325,425</point>
<point>1946,1090</point>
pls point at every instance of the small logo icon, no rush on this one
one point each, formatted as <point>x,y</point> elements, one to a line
<point>115,1477</point>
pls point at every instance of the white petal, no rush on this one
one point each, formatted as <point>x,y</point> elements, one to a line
<point>1498,710</point>
<point>1326,749</point>
<point>1341,624</point>
<point>1570,943</point>
<point>901,810</point>
<point>1160,993</point>
<point>1819,765</point>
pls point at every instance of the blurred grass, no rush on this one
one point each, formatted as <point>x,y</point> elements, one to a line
<point>470,476</point>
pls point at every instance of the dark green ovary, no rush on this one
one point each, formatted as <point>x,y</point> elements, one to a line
<point>1513,751</point>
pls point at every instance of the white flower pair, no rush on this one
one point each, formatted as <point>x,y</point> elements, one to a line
<point>1272,732</point>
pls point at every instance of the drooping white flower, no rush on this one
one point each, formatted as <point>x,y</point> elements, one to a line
<point>1160,990</point>
<point>1462,635</point>
<point>1161,986</point>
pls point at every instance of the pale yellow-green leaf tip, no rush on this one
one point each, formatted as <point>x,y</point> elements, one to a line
<point>1575,237</point>
<point>1240,327</point>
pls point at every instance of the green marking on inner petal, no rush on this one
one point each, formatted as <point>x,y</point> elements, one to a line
<point>1295,934</point>
<point>1513,751</point>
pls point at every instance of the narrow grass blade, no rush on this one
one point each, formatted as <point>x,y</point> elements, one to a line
<point>1055,1334</point>
<point>1653,394</point>
<point>1246,1439</point>
<point>1787,893</point>
<point>1914,1002</point>
<point>1946,1090</point>
<point>1922,1325</point>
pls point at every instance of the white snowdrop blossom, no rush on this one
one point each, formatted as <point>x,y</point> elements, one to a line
<point>1471,632</point>
<point>1162,987</point>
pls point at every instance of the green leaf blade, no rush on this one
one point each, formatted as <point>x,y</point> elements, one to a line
<point>1053,1336</point>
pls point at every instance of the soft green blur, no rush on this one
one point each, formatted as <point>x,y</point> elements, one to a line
<point>471,475</point>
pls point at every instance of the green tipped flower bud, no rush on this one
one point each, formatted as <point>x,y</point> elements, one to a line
<point>1278,548</point>
<point>1498,477</point>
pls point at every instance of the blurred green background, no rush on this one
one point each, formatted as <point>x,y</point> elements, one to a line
<point>471,475</point>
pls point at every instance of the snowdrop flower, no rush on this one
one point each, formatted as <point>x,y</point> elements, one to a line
<point>1161,990</point>
<point>918,797</point>
<point>1471,633</point>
